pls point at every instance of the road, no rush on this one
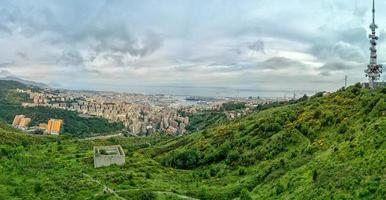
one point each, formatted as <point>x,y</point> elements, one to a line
<point>102,137</point>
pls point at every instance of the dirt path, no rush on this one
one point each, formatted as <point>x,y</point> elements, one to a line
<point>163,192</point>
<point>111,191</point>
<point>102,137</point>
<point>105,188</point>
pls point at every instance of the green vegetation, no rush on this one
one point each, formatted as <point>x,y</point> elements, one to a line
<point>204,119</point>
<point>229,106</point>
<point>210,118</point>
<point>329,147</point>
<point>10,105</point>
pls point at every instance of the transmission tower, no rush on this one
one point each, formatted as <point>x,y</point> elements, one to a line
<point>374,70</point>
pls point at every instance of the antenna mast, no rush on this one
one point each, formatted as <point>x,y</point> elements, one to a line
<point>374,70</point>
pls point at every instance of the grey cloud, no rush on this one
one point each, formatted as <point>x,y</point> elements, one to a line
<point>278,63</point>
<point>4,29</point>
<point>339,66</point>
<point>325,73</point>
<point>339,50</point>
<point>13,20</point>
<point>101,37</point>
<point>354,35</point>
<point>22,55</point>
<point>275,63</point>
<point>4,73</point>
<point>257,46</point>
<point>348,52</point>
<point>92,71</point>
<point>71,58</point>
<point>6,64</point>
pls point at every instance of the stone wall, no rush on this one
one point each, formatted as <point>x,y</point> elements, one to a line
<point>101,160</point>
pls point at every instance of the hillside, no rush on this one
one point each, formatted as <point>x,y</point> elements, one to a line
<point>330,147</point>
<point>74,125</point>
<point>325,147</point>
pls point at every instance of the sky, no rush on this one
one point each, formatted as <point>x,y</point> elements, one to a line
<point>267,45</point>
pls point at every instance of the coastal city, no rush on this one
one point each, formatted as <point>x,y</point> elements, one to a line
<point>140,114</point>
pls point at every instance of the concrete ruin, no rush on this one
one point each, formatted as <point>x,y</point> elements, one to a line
<point>105,156</point>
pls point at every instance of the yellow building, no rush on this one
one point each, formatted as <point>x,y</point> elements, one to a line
<point>16,120</point>
<point>24,122</point>
<point>43,126</point>
<point>21,122</point>
<point>54,126</point>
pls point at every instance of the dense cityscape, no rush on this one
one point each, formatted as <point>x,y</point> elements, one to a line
<point>141,114</point>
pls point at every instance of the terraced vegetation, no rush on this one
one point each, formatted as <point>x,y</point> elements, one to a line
<point>330,147</point>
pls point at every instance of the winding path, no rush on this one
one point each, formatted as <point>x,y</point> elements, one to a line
<point>105,188</point>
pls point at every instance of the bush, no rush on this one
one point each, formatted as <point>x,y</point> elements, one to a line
<point>242,172</point>
<point>244,195</point>
<point>342,128</point>
<point>38,187</point>
<point>188,159</point>
<point>314,175</point>
<point>147,175</point>
<point>145,195</point>
<point>317,114</point>
<point>213,171</point>
<point>232,157</point>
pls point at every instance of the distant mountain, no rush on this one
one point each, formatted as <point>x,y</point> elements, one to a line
<point>26,82</point>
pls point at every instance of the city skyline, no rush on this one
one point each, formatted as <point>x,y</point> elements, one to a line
<point>259,45</point>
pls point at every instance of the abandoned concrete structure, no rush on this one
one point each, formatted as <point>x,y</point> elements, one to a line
<point>108,155</point>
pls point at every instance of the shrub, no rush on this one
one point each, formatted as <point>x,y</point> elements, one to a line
<point>38,187</point>
<point>279,189</point>
<point>187,159</point>
<point>147,175</point>
<point>213,171</point>
<point>314,175</point>
<point>242,172</point>
<point>342,128</point>
<point>317,114</point>
<point>232,157</point>
<point>145,195</point>
<point>244,195</point>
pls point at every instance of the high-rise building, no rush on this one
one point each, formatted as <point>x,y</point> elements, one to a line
<point>21,122</point>
<point>24,122</point>
<point>54,126</point>
<point>374,70</point>
<point>16,120</point>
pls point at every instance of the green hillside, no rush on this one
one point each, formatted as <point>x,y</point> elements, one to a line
<point>74,125</point>
<point>330,147</point>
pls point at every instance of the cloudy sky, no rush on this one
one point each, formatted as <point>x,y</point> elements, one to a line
<point>250,44</point>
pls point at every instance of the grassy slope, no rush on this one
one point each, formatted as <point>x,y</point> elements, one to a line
<point>328,147</point>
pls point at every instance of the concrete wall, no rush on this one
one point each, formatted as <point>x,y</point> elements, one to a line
<point>107,160</point>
